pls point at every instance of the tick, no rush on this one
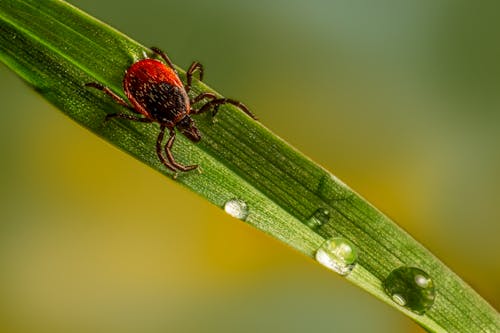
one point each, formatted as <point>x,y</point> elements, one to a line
<point>156,94</point>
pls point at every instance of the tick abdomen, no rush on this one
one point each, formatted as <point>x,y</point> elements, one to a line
<point>155,93</point>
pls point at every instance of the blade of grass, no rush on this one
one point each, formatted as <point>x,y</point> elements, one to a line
<point>57,48</point>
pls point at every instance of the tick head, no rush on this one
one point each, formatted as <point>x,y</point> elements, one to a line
<point>188,128</point>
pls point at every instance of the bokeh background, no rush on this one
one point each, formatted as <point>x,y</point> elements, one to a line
<point>400,99</point>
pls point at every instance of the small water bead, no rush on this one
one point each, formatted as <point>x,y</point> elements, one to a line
<point>337,254</point>
<point>320,217</point>
<point>412,288</point>
<point>236,208</point>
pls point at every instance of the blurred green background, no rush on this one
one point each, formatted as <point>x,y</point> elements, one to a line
<point>400,99</point>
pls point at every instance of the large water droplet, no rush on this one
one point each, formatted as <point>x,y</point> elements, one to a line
<point>236,208</point>
<point>337,254</point>
<point>320,217</point>
<point>412,288</point>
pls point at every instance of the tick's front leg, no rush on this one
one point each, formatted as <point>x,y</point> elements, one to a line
<point>159,151</point>
<point>170,156</point>
<point>215,103</point>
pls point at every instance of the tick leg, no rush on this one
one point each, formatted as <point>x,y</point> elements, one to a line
<point>170,156</point>
<point>164,56</point>
<point>159,151</point>
<point>203,96</point>
<point>110,93</point>
<point>215,103</point>
<point>195,66</point>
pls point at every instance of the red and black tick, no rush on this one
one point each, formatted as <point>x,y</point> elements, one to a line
<point>155,91</point>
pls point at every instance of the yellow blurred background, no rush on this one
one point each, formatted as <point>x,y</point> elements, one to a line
<point>400,99</point>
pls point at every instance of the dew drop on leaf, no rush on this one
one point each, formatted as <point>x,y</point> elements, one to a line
<point>237,208</point>
<point>412,288</point>
<point>337,254</point>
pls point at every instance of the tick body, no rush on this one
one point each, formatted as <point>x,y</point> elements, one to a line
<point>155,91</point>
<point>156,94</point>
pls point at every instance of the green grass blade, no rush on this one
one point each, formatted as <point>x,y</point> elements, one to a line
<point>57,49</point>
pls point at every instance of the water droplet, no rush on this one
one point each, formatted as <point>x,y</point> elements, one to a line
<point>337,254</point>
<point>320,217</point>
<point>412,288</point>
<point>236,208</point>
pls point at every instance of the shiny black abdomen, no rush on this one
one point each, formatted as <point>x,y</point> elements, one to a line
<point>162,101</point>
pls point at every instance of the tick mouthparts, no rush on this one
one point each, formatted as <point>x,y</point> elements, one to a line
<point>192,134</point>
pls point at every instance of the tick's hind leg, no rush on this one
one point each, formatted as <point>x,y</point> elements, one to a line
<point>118,100</point>
<point>215,103</point>
<point>170,156</point>
<point>164,56</point>
<point>110,93</point>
